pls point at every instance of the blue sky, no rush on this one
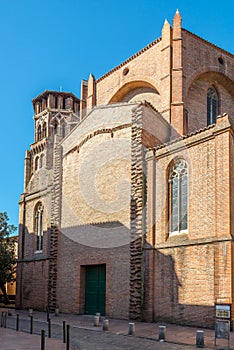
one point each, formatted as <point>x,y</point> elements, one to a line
<point>47,44</point>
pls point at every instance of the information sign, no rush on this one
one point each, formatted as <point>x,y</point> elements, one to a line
<point>223,311</point>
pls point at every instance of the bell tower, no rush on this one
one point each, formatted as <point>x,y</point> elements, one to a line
<point>55,115</point>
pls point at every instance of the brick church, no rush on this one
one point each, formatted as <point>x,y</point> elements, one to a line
<point>127,207</point>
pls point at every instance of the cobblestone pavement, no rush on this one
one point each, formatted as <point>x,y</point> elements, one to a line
<point>85,336</point>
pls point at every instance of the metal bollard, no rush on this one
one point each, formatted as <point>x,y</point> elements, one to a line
<point>162,333</point>
<point>96,320</point>
<point>30,312</point>
<point>200,339</point>
<point>42,339</point>
<point>64,332</point>
<point>105,325</point>
<point>31,324</point>
<point>68,338</point>
<point>131,328</point>
<point>17,322</point>
<point>49,328</point>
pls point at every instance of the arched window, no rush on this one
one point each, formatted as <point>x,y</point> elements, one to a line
<point>63,130</point>
<point>41,160</point>
<point>39,226</point>
<point>36,162</point>
<point>55,101</point>
<point>64,103</point>
<point>55,128</point>
<point>212,106</point>
<point>178,196</point>
<point>44,130</point>
<point>39,133</point>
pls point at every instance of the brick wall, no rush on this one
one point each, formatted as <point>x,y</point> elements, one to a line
<point>188,273</point>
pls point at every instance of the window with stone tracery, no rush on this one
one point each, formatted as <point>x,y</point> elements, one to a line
<point>178,196</point>
<point>44,130</point>
<point>212,106</point>
<point>36,166</point>
<point>39,226</point>
<point>39,133</point>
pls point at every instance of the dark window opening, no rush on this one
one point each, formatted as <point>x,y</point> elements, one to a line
<point>212,106</point>
<point>39,133</point>
<point>56,102</point>
<point>55,128</point>
<point>39,226</point>
<point>44,130</point>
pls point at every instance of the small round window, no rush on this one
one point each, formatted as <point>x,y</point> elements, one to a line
<point>221,61</point>
<point>125,71</point>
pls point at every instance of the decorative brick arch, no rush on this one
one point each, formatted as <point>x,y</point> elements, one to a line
<point>211,75</point>
<point>132,86</point>
<point>197,88</point>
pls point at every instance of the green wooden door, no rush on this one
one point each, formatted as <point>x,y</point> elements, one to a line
<point>95,291</point>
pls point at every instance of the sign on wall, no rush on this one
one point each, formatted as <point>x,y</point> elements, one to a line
<point>222,322</point>
<point>223,311</point>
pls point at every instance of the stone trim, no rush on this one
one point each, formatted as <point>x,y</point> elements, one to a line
<point>185,241</point>
<point>95,133</point>
<point>136,245</point>
<point>184,137</point>
<point>54,229</point>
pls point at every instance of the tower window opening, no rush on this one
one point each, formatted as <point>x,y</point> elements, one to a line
<point>56,102</point>
<point>36,163</point>
<point>55,128</point>
<point>63,130</point>
<point>39,133</point>
<point>44,130</point>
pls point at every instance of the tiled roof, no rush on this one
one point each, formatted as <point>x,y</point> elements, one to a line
<point>185,137</point>
<point>47,92</point>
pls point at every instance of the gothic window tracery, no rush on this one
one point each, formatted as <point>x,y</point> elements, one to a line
<point>44,130</point>
<point>212,105</point>
<point>178,196</point>
<point>39,133</point>
<point>39,226</point>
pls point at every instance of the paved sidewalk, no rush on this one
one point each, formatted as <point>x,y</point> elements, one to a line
<point>174,334</point>
<point>12,340</point>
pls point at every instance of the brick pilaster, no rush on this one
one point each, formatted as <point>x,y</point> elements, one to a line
<point>177,105</point>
